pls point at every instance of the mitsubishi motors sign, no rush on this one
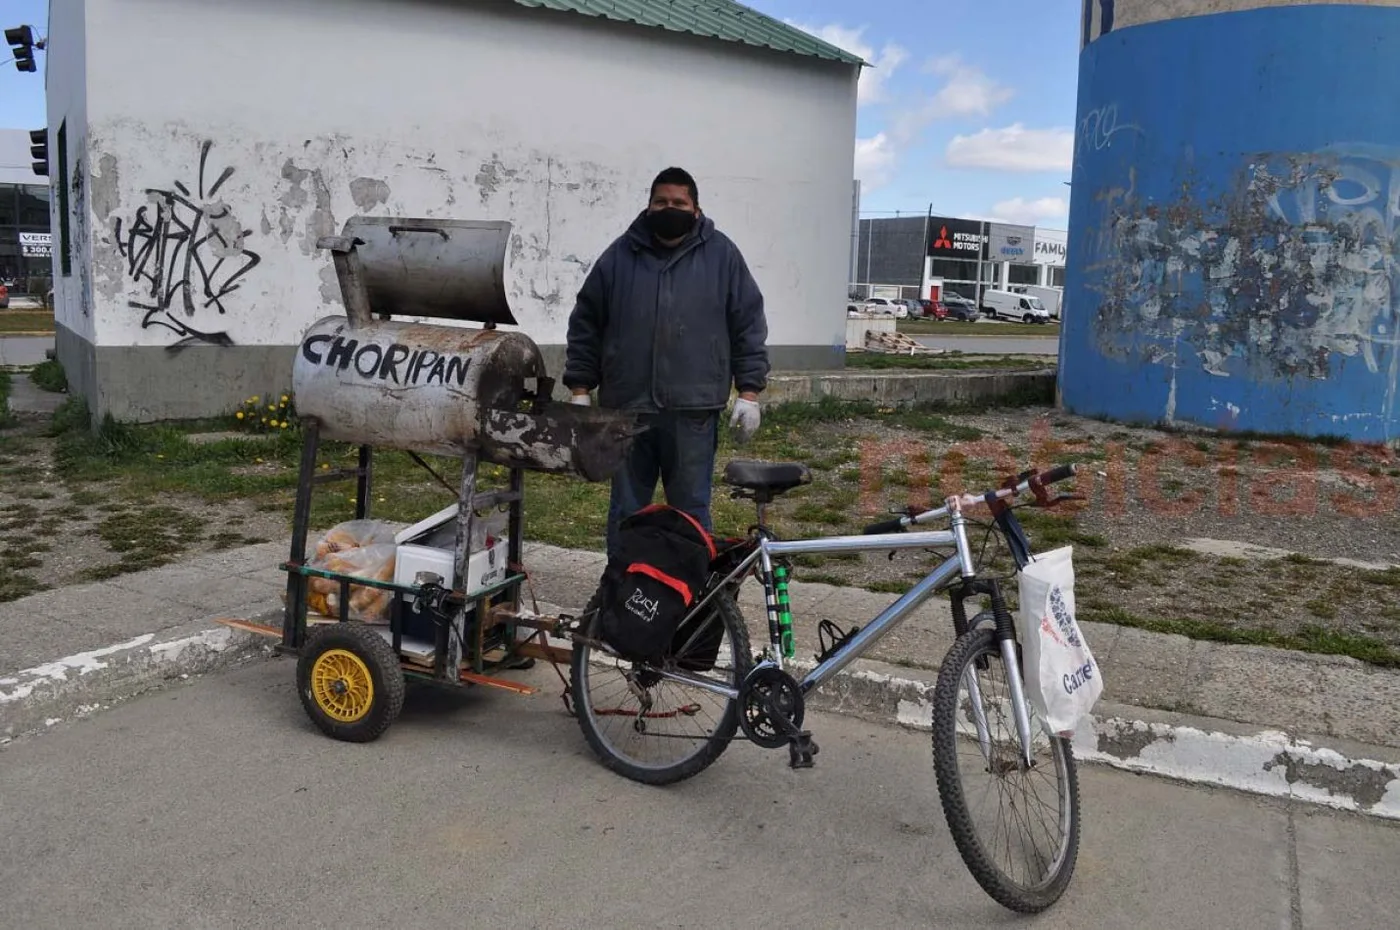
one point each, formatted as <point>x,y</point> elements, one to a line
<point>950,238</point>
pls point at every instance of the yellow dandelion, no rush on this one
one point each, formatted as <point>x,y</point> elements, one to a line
<point>284,424</point>
<point>239,414</point>
<point>284,398</point>
<point>253,400</point>
<point>159,456</point>
<point>258,461</point>
<point>325,466</point>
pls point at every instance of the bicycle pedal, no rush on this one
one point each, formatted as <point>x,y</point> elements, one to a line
<point>801,749</point>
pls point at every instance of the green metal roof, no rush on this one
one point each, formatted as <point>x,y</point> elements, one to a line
<point>713,19</point>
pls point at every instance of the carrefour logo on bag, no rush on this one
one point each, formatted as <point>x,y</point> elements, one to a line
<point>1078,678</point>
<point>1062,616</point>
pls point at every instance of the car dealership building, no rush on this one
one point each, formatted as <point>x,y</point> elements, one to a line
<point>964,256</point>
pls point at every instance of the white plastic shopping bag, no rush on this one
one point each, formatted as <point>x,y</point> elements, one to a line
<point>1062,679</point>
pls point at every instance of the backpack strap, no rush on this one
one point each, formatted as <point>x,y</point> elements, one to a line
<point>709,541</point>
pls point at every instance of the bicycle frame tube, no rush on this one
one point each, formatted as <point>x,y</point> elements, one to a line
<point>892,615</point>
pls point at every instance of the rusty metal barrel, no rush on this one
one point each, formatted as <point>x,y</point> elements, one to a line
<point>411,385</point>
<point>367,378</point>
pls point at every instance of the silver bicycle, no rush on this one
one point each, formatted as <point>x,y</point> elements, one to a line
<point>1009,790</point>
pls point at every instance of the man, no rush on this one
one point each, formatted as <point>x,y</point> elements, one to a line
<point>667,321</point>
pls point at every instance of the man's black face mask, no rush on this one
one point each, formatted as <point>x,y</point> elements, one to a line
<point>670,223</point>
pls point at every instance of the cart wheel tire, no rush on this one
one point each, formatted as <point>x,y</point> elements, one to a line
<point>350,682</point>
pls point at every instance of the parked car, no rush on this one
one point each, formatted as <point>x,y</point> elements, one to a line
<point>887,307</point>
<point>925,309</point>
<point>4,297</point>
<point>961,309</point>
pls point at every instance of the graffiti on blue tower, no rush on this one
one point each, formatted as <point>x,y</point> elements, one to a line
<point>1295,265</point>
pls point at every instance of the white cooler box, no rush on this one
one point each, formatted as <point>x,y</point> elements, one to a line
<point>427,547</point>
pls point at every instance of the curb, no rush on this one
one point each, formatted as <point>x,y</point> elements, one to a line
<point>78,685</point>
<point>1202,751</point>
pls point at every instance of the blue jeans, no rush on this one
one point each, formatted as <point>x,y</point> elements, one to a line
<point>679,450</point>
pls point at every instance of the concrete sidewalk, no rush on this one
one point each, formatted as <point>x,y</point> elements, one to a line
<point>1266,720</point>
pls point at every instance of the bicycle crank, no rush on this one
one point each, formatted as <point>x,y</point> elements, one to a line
<point>772,713</point>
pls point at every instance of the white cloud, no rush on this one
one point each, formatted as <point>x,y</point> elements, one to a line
<point>871,88</point>
<point>875,161</point>
<point>1030,212</point>
<point>1014,148</point>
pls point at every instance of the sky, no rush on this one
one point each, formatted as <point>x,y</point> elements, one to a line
<point>969,105</point>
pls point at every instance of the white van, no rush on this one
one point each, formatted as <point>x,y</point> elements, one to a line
<point>1051,297</point>
<point>1006,305</point>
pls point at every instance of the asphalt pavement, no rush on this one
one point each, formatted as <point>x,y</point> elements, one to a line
<point>216,804</point>
<point>24,350</point>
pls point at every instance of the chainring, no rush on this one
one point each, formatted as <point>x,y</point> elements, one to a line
<point>763,684</point>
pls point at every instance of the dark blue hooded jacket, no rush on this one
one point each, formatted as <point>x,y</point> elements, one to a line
<point>668,329</point>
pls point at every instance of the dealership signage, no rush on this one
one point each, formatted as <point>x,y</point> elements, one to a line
<point>36,244</point>
<point>950,238</point>
<point>1010,243</point>
<point>1049,247</point>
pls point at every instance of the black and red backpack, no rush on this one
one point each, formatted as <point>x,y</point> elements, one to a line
<point>660,571</point>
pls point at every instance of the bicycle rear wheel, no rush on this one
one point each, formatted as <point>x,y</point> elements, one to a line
<point>656,730</point>
<point>1017,830</point>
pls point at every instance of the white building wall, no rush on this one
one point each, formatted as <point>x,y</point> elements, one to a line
<point>65,79</point>
<point>282,118</point>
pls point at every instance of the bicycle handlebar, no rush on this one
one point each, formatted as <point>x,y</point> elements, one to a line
<point>1045,478</point>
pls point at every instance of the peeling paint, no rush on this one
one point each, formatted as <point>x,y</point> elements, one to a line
<point>321,220</point>
<point>330,285</point>
<point>492,176</point>
<point>369,193</point>
<point>1128,742</point>
<point>1292,269</point>
<point>106,188</point>
<point>1364,783</point>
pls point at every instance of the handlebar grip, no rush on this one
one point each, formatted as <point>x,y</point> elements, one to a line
<point>888,526</point>
<point>1058,473</point>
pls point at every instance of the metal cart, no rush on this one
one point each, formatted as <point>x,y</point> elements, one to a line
<point>479,394</point>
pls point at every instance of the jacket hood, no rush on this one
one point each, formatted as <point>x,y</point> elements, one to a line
<point>640,237</point>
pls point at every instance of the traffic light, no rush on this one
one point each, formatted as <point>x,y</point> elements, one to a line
<point>21,39</point>
<point>39,151</point>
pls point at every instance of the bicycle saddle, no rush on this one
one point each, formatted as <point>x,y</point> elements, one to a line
<point>766,476</point>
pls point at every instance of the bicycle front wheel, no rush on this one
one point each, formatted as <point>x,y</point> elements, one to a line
<point>658,730</point>
<point>1017,829</point>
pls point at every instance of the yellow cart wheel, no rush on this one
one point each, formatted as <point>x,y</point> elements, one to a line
<point>350,681</point>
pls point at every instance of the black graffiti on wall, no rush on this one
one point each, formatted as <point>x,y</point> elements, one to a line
<point>186,251</point>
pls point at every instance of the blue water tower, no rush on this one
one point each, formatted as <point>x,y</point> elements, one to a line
<point>1235,204</point>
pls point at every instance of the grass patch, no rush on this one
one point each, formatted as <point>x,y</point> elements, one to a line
<point>980,328</point>
<point>48,375</point>
<point>1313,639</point>
<point>26,321</point>
<point>15,585</point>
<point>151,537</point>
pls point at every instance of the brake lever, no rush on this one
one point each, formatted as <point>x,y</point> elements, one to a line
<point>1061,499</point>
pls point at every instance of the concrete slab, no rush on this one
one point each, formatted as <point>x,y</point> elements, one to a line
<point>1346,870</point>
<point>28,397</point>
<point>862,834</point>
<point>1260,685</point>
<point>32,639</point>
<point>205,591</point>
<point>1150,669</point>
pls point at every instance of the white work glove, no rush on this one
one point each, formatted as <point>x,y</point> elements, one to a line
<point>745,418</point>
<point>583,400</point>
